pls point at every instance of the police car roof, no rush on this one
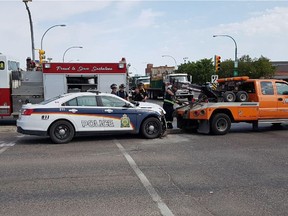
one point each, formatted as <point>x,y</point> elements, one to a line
<point>85,94</point>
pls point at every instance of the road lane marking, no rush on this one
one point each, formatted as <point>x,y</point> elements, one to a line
<point>165,211</point>
<point>4,146</point>
<point>3,149</point>
<point>7,144</point>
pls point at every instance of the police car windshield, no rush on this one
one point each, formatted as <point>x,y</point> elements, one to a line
<point>51,99</point>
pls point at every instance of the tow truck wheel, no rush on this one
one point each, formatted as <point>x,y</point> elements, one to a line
<point>242,96</point>
<point>229,96</point>
<point>220,124</point>
<point>151,128</point>
<point>61,132</point>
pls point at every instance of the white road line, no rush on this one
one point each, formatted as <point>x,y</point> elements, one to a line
<point>3,149</point>
<point>4,146</point>
<point>7,144</point>
<point>165,211</point>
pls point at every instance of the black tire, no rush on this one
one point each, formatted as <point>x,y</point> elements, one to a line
<point>229,96</point>
<point>220,124</point>
<point>151,128</point>
<point>242,96</point>
<point>61,132</point>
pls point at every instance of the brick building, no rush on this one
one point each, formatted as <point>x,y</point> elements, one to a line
<point>281,69</point>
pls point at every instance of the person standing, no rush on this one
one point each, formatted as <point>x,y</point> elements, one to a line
<point>113,89</point>
<point>168,105</point>
<point>122,93</point>
<point>142,92</point>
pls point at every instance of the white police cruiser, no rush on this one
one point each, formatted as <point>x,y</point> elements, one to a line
<point>68,115</point>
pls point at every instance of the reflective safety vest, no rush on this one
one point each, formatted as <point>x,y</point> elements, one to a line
<point>169,98</point>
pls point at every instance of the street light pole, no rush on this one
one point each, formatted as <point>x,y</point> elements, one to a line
<point>236,60</point>
<point>31,28</point>
<point>173,59</point>
<point>61,25</point>
<point>69,49</point>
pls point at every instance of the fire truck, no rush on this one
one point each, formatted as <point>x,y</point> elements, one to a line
<point>18,87</point>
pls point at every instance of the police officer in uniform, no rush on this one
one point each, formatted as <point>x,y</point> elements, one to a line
<point>168,105</point>
<point>140,94</point>
<point>122,93</point>
<point>113,89</point>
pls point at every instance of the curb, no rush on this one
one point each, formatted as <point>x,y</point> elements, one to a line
<point>6,129</point>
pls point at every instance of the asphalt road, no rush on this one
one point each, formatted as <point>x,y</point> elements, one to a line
<point>242,173</point>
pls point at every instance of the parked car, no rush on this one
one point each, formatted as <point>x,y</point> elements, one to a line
<point>68,115</point>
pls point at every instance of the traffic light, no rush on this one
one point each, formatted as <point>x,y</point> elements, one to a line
<point>41,56</point>
<point>217,61</point>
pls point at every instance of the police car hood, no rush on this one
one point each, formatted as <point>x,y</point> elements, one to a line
<point>151,106</point>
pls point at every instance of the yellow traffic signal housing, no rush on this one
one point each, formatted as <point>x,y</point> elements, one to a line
<point>41,56</point>
<point>217,61</point>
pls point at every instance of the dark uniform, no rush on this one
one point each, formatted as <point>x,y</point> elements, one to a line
<point>139,96</point>
<point>114,89</point>
<point>122,93</point>
<point>168,106</point>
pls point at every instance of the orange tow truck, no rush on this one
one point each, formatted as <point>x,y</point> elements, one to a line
<point>237,99</point>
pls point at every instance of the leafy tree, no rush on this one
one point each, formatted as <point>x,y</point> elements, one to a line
<point>200,71</point>
<point>203,69</point>
<point>254,68</point>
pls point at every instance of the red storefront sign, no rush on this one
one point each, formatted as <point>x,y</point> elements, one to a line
<point>104,68</point>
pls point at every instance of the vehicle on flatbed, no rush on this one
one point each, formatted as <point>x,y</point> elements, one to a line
<point>264,100</point>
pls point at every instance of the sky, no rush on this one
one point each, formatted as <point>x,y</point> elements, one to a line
<point>145,32</point>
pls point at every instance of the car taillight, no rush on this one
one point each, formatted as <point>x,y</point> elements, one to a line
<point>27,111</point>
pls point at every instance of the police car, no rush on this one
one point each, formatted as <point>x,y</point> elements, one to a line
<point>68,115</point>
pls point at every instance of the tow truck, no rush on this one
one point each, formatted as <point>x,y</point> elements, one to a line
<point>236,99</point>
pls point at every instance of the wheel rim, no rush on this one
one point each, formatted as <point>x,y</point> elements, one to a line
<point>230,97</point>
<point>222,125</point>
<point>152,128</point>
<point>243,97</point>
<point>62,132</point>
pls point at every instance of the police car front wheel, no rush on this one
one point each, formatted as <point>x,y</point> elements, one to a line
<point>61,132</point>
<point>151,128</point>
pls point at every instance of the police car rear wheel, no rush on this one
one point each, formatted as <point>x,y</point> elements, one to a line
<point>61,132</point>
<point>151,128</point>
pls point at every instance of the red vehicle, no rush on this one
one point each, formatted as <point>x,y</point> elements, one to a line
<point>18,87</point>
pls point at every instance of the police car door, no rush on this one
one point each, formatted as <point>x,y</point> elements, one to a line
<point>85,114</point>
<point>121,116</point>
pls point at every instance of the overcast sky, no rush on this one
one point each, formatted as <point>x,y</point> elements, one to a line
<point>144,31</point>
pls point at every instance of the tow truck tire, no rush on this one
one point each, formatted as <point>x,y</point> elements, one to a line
<point>151,128</point>
<point>242,96</point>
<point>229,96</point>
<point>220,124</point>
<point>61,132</point>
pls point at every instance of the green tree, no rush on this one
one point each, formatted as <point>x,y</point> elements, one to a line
<point>254,68</point>
<point>200,71</point>
<point>203,69</point>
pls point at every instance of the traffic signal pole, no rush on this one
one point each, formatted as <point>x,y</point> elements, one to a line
<point>235,73</point>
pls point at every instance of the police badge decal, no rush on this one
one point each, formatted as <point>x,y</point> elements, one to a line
<point>125,121</point>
